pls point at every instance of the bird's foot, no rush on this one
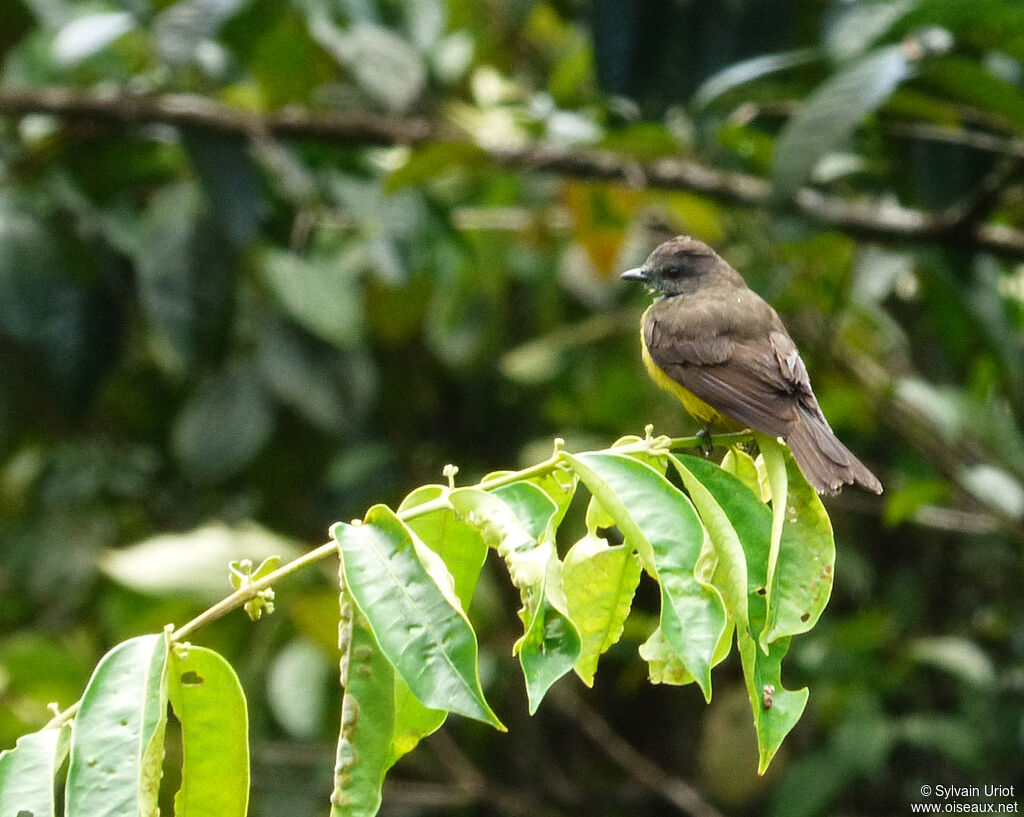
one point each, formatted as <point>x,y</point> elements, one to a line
<point>706,446</point>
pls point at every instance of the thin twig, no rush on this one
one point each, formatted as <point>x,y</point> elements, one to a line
<point>471,782</point>
<point>863,217</point>
<point>641,768</point>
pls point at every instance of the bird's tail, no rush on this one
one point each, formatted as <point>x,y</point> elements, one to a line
<point>826,463</point>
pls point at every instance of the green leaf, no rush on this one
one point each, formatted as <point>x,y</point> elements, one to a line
<point>742,466</point>
<point>429,162</point>
<point>748,70</point>
<point>459,545</point>
<point>230,179</point>
<point>383,64</point>
<point>117,742</point>
<point>307,378</point>
<point>663,664</point>
<point>300,664</point>
<point>802,582</point>
<point>412,722</point>
<point>860,25</point>
<point>196,562</point>
<point>42,306</point>
<point>88,35</point>
<point>656,455</point>
<point>321,292</point>
<point>223,426</point>
<point>778,482</point>
<point>662,525</point>
<point>516,521</point>
<point>367,715</point>
<point>752,521</point>
<point>415,617</point>
<point>180,29</point>
<point>599,582</point>
<point>531,506</point>
<point>560,486</point>
<point>208,701</point>
<point>597,518</point>
<point>27,772</point>
<point>776,709</point>
<point>463,552</point>
<point>967,81</point>
<point>829,116</point>
<point>185,278</point>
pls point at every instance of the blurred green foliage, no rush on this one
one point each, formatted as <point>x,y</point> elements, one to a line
<point>236,341</point>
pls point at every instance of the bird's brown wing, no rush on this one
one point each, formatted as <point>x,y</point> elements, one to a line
<point>760,382</point>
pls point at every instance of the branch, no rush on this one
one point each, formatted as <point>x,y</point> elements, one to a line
<point>250,591</point>
<point>862,217</point>
<point>642,769</point>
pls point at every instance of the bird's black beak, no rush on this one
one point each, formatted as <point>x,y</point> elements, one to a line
<point>637,274</point>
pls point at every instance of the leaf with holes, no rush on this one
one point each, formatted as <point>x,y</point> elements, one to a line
<point>367,716</point>
<point>208,701</point>
<point>413,613</point>
<point>776,709</point>
<point>516,520</point>
<point>117,745</point>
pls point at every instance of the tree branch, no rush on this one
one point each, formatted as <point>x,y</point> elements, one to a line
<point>862,217</point>
<point>641,768</point>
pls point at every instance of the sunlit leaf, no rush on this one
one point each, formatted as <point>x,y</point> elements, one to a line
<point>729,574</point>
<point>664,665</point>
<point>661,524</point>
<point>516,521</point>
<point>209,703</point>
<point>85,36</point>
<point>778,483</point>
<point>742,466</point>
<point>599,581</point>
<point>802,580</point>
<point>860,25</point>
<point>459,544</point>
<point>463,552</point>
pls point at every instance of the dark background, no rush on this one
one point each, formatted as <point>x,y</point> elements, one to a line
<point>233,335</point>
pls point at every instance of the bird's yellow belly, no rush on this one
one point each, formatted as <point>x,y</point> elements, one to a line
<point>696,407</point>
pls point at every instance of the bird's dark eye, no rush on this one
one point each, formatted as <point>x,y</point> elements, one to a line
<point>673,272</point>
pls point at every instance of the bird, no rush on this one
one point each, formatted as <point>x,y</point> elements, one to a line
<point>722,350</point>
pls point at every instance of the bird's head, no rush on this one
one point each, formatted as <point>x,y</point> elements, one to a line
<point>679,266</point>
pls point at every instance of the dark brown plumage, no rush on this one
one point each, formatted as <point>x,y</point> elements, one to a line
<point>724,352</point>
